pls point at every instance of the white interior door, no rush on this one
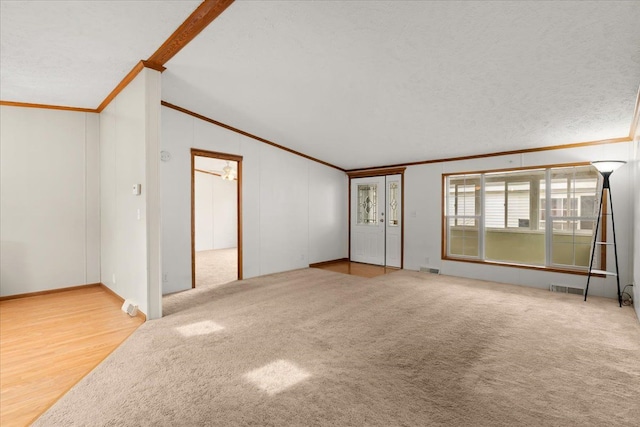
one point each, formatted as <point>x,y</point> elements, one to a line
<point>393,221</point>
<point>367,220</point>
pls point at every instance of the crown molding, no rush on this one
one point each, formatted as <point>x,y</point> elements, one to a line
<point>376,172</point>
<point>123,83</point>
<point>247,134</point>
<point>499,153</point>
<point>187,31</point>
<point>47,107</point>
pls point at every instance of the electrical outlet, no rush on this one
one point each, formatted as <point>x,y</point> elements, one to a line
<point>113,278</point>
<point>165,277</point>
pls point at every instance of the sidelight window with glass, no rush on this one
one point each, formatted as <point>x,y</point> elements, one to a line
<point>392,198</point>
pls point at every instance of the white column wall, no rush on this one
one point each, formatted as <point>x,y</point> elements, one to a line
<point>49,195</point>
<point>127,156</point>
<point>423,217</point>
<point>278,199</point>
<point>152,80</point>
<point>635,185</point>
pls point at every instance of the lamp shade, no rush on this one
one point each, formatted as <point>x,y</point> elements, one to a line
<point>608,166</point>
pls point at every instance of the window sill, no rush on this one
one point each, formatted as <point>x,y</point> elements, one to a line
<point>523,266</point>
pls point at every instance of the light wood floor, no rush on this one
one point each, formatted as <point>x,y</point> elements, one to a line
<point>49,342</point>
<point>357,269</point>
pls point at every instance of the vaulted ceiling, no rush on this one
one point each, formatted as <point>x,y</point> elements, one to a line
<point>74,53</point>
<point>353,83</point>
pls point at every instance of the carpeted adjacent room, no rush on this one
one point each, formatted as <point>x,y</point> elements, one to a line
<point>215,267</point>
<point>314,347</point>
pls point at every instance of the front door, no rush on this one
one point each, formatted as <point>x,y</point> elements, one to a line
<point>376,234</point>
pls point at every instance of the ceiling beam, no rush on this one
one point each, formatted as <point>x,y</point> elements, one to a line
<point>190,28</point>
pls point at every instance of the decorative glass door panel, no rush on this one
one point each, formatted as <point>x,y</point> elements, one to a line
<point>393,231</point>
<point>368,204</point>
<point>393,208</point>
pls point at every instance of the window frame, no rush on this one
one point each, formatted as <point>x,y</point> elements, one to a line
<point>480,259</point>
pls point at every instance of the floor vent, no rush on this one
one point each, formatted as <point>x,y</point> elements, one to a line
<point>566,289</point>
<point>430,270</point>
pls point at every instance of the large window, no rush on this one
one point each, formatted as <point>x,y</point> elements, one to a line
<point>538,217</point>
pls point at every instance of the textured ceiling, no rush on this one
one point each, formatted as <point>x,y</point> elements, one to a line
<point>75,53</point>
<point>362,84</point>
<point>353,83</point>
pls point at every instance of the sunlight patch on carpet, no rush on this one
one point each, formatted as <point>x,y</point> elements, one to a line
<point>276,376</point>
<point>199,328</point>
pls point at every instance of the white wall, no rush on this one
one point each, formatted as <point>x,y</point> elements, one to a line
<point>225,213</point>
<point>215,212</point>
<point>328,214</point>
<point>51,222</point>
<point>294,210</point>
<point>203,211</point>
<point>127,157</point>
<point>49,211</point>
<point>636,221</point>
<point>423,210</point>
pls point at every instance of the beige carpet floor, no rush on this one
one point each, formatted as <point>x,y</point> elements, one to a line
<point>317,348</point>
<point>213,269</point>
<point>216,267</point>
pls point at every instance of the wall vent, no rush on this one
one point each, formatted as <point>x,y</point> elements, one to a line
<point>564,289</point>
<point>430,270</point>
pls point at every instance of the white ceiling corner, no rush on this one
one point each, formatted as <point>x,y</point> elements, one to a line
<point>74,53</point>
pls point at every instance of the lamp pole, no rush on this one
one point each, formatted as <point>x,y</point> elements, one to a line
<point>606,168</point>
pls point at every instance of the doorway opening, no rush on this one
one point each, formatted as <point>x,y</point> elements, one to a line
<point>216,218</point>
<point>376,217</point>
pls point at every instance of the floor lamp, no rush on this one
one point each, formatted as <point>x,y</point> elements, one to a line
<point>606,168</point>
